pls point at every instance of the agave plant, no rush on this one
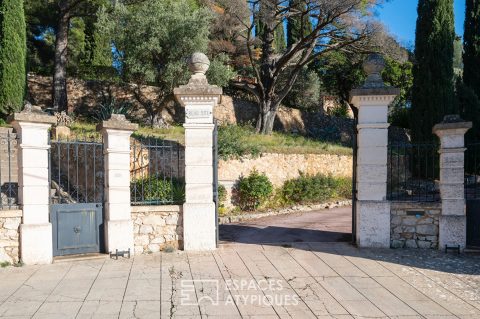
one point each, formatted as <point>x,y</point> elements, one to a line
<point>109,107</point>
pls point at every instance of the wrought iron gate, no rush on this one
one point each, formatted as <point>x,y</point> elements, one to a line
<point>77,195</point>
<point>472,193</point>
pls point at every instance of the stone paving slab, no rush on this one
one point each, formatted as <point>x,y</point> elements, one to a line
<point>298,280</point>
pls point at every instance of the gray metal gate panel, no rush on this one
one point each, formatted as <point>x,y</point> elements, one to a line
<point>77,228</point>
<point>473,222</point>
<point>215,179</point>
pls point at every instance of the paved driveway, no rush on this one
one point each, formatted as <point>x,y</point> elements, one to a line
<point>329,225</point>
<point>323,280</point>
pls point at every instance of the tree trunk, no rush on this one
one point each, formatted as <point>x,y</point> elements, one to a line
<point>266,116</point>
<point>60,100</point>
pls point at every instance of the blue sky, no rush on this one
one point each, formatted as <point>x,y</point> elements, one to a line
<point>400,17</point>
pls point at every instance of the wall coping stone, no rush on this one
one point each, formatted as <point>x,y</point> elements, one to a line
<point>11,213</point>
<point>159,208</point>
<point>422,205</point>
<point>389,91</point>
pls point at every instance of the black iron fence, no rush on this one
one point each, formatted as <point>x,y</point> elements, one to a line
<point>472,171</point>
<point>76,170</point>
<point>156,172</point>
<point>413,172</point>
<point>8,170</point>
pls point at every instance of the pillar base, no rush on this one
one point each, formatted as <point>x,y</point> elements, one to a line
<point>119,235</point>
<point>199,233</point>
<point>452,231</point>
<point>36,242</point>
<point>373,224</point>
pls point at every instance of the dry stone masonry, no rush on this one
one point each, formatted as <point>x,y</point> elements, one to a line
<point>282,167</point>
<point>157,228</point>
<point>414,225</point>
<point>9,235</point>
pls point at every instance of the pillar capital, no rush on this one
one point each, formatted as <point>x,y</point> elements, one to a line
<point>118,122</point>
<point>31,114</point>
<point>197,96</point>
<point>451,132</point>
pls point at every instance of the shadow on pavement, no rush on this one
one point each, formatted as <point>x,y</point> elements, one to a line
<point>339,244</point>
<point>248,234</point>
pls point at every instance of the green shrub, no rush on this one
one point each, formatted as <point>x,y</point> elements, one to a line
<point>233,143</point>
<point>341,111</point>
<point>222,195</point>
<point>156,190</point>
<point>253,190</point>
<point>316,188</point>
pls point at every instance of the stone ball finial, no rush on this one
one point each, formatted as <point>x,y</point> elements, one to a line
<point>198,63</point>
<point>373,67</point>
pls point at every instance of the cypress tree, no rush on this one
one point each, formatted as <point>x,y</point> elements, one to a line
<point>295,29</point>
<point>471,44</point>
<point>13,48</point>
<point>433,82</point>
<point>279,43</point>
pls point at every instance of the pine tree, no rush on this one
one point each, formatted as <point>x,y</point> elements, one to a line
<point>13,48</point>
<point>433,83</point>
<point>295,28</point>
<point>471,43</point>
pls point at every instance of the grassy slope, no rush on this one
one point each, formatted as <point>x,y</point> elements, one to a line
<point>275,143</point>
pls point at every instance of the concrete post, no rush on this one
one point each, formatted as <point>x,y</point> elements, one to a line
<point>373,210</point>
<point>32,127</point>
<point>199,98</point>
<point>453,223</point>
<point>116,134</point>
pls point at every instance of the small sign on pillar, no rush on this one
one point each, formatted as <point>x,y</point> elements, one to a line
<point>199,99</point>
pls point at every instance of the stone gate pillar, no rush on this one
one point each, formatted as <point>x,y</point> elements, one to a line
<point>453,220</point>
<point>199,98</point>
<point>36,241</point>
<point>372,208</point>
<point>116,134</point>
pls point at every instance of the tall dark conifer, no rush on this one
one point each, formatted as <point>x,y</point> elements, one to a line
<point>13,48</point>
<point>470,107</point>
<point>433,84</point>
<point>298,24</point>
<point>471,44</point>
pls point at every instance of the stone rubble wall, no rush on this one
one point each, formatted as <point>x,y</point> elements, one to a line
<point>282,167</point>
<point>414,225</point>
<point>9,235</point>
<point>156,228</point>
